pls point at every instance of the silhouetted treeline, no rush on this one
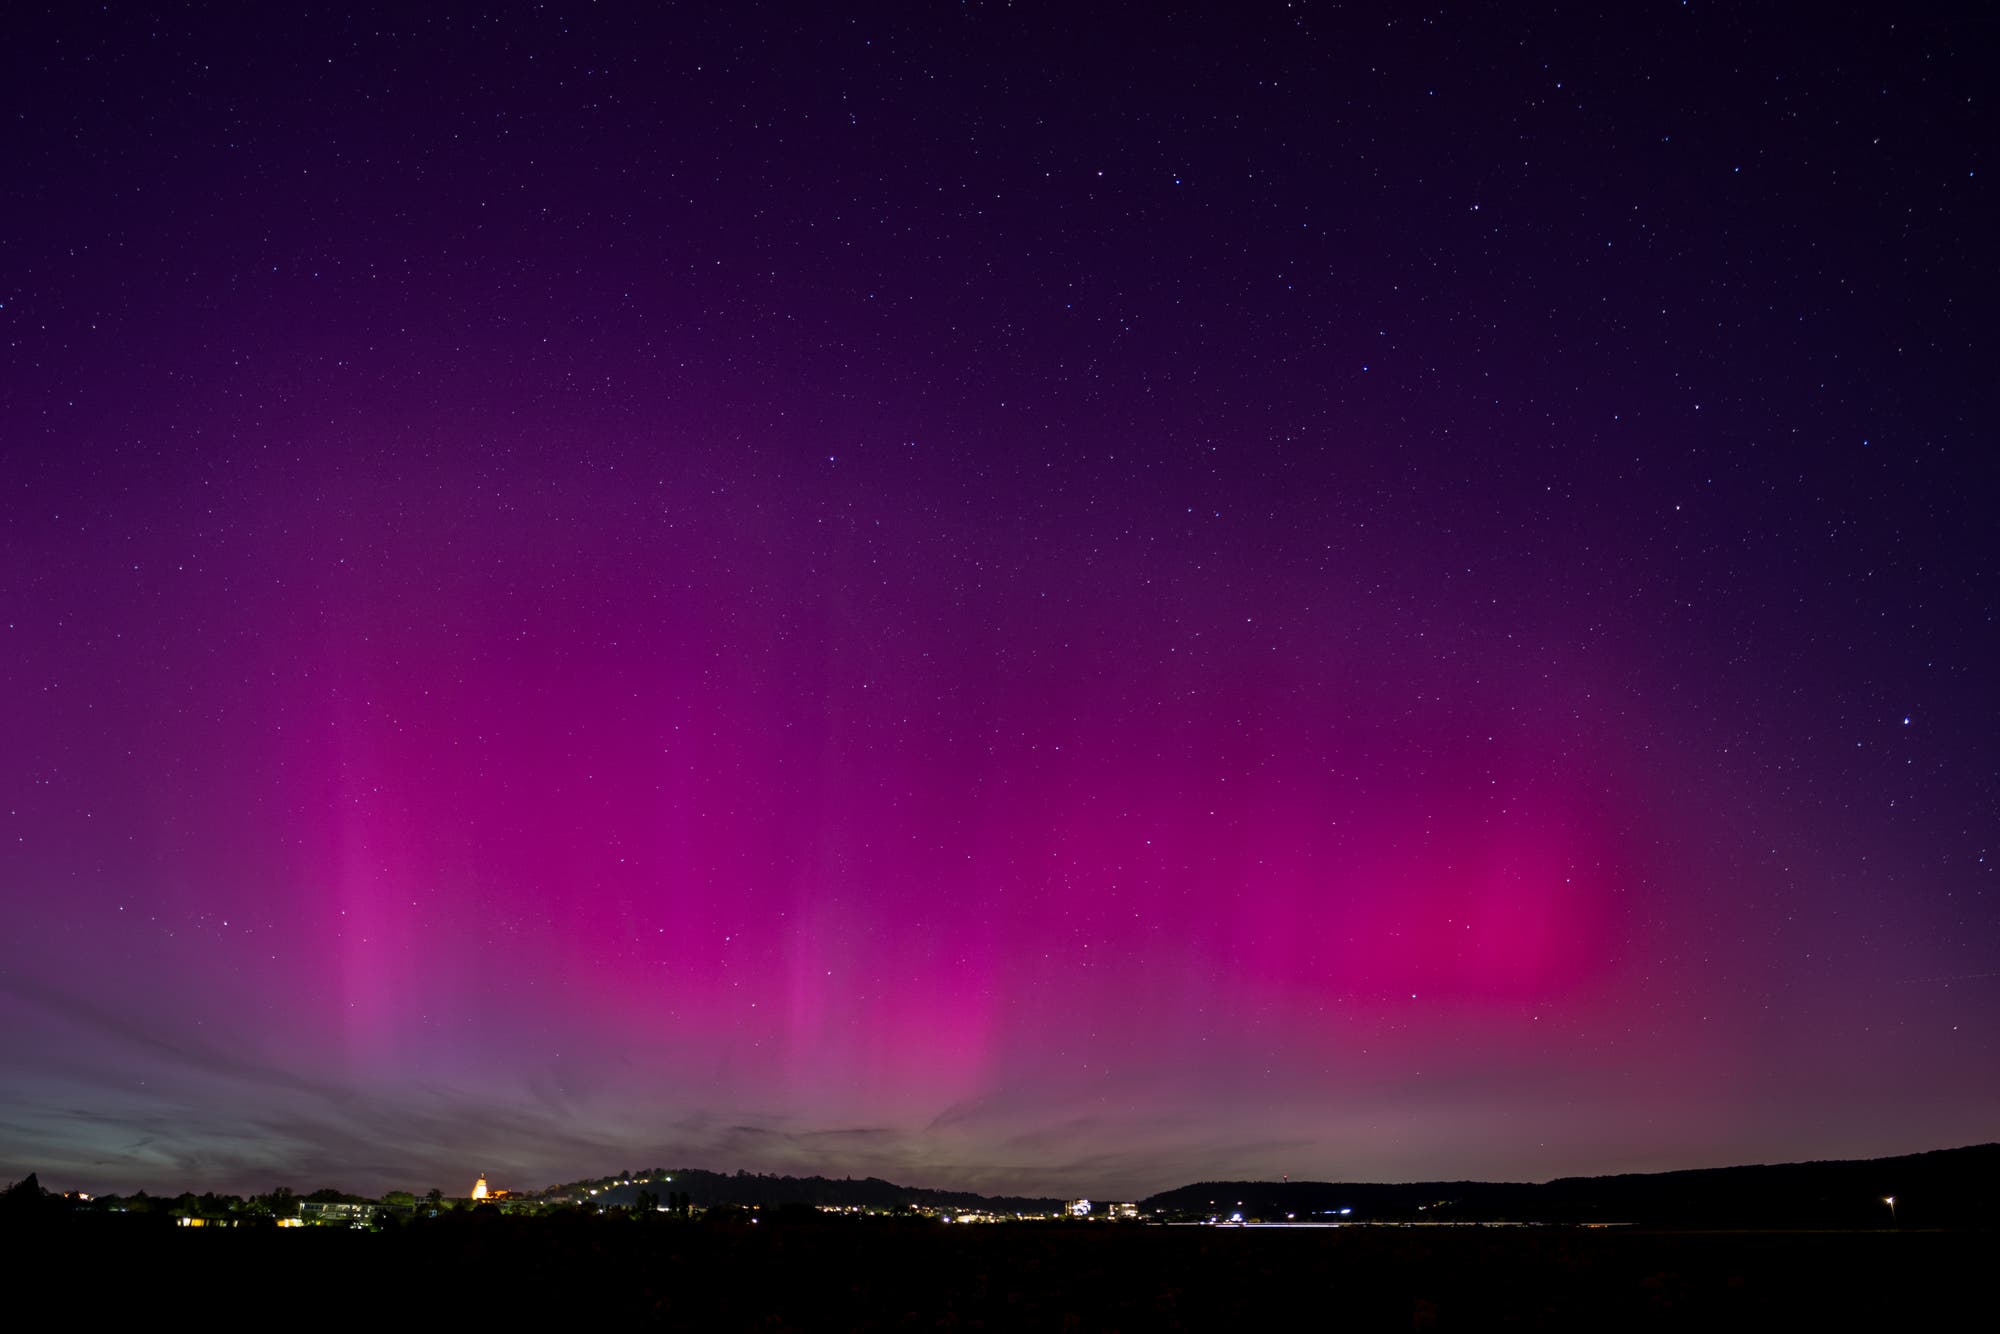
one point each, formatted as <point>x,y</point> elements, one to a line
<point>1946,1188</point>
<point>708,1189</point>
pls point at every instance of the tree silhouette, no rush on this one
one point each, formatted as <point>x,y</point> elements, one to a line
<point>279,1203</point>
<point>26,1202</point>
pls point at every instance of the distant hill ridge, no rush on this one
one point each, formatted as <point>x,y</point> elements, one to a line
<point>707,1189</point>
<point>1941,1188</point>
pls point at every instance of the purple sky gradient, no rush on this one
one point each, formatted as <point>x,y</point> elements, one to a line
<point>994,598</point>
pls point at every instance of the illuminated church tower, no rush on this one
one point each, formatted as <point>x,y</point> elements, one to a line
<point>479,1189</point>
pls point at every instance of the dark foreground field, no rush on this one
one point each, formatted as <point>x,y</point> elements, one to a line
<point>866,1276</point>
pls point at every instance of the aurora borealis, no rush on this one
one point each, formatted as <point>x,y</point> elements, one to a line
<point>999,598</point>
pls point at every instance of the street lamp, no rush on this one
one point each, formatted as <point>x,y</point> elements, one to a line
<point>1890,1200</point>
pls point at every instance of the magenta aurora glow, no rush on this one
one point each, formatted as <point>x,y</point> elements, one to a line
<point>993,600</point>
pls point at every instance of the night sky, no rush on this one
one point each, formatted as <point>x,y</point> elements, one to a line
<point>995,596</point>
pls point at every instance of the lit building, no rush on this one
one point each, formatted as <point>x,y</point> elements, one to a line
<point>479,1191</point>
<point>338,1213</point>
<point>1077,1208</point>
